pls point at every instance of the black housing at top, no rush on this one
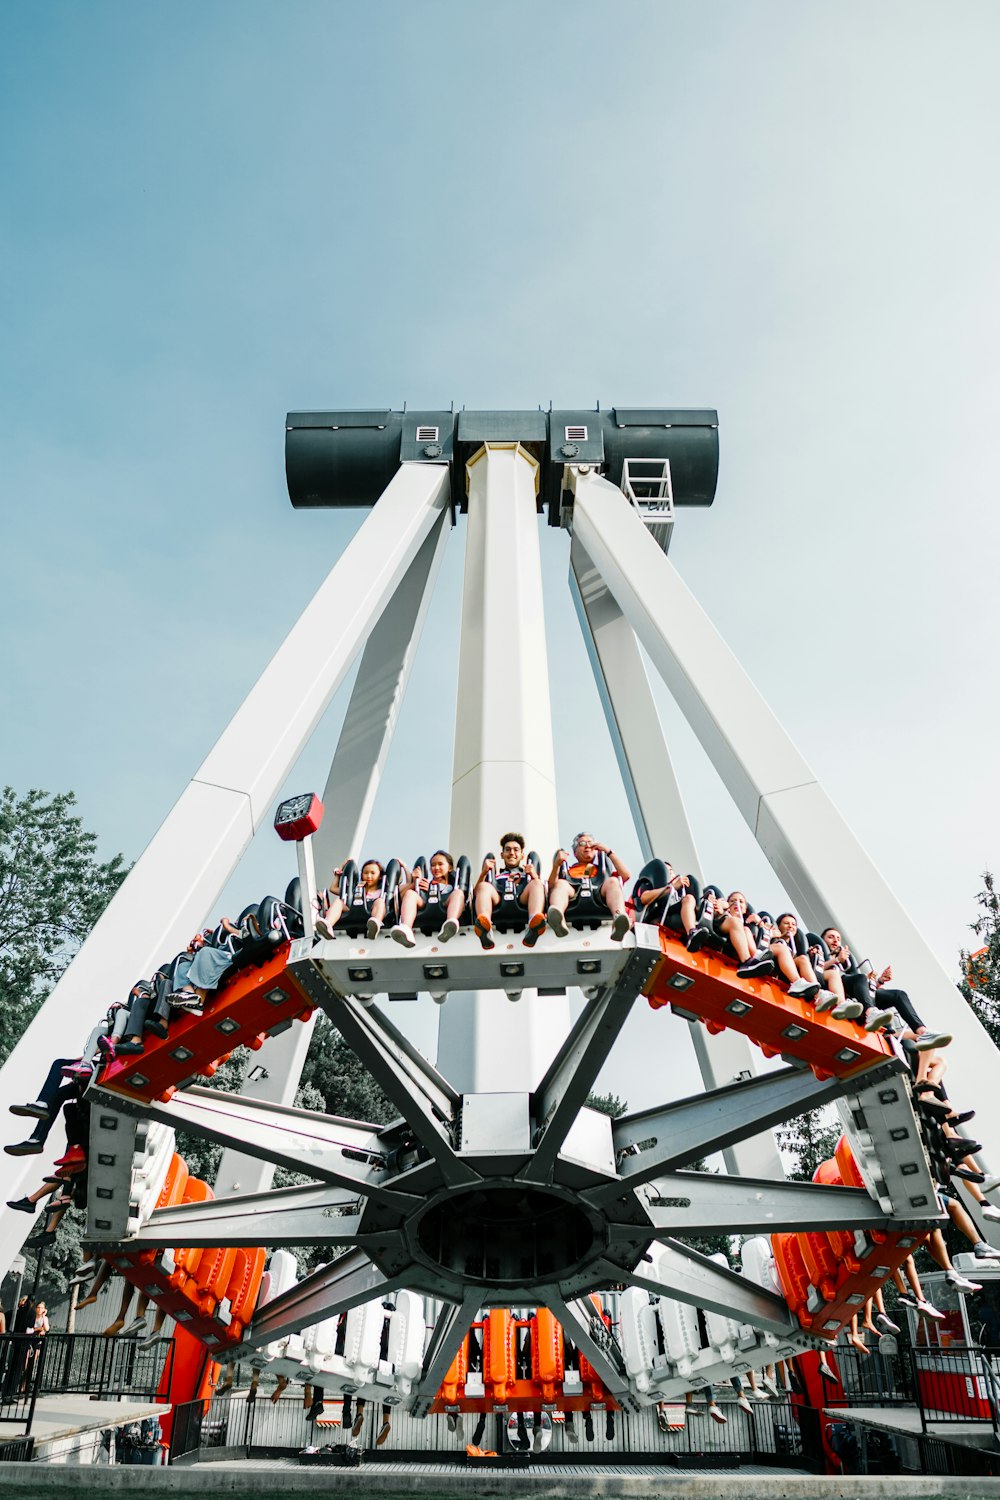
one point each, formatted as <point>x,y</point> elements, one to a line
<point>346,458</point>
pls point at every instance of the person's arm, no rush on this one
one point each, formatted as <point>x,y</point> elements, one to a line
<point>560,858</point>
<point>648,895</point>
<point>619,867</point>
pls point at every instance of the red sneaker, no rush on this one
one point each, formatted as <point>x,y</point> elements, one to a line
<point>74,1161</point>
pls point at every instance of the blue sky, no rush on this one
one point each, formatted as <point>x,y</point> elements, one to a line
<point>214,213</point>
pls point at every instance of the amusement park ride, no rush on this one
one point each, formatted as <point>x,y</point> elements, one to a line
<point>497,1189</point>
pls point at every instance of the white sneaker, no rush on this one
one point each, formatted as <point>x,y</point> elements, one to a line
<point>743,1402</point>
<point>323,927</point>
<point>803,989</point>
<point>403,935</point>
<point>448,931</point>
<point>875,1019</point>
<point>846,1010</point>
<point>557,922</point>
<point>826,1000</point>
<point>717,1415</point>
<point>990,1185</point>
<point>961,1283</point>
<point>769,1385</point>
<point>620,926</point>
<point>989,1211</point>
<point>373,929</point>
<point>983,1251</point>
<point>928,1310</point>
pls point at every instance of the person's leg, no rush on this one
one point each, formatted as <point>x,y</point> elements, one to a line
<point>613,896</point>
<point>104,1272</point>
<point>486,898</point>
<point>855,1338</point>
<point>479,1430</point>
<point>688,913</point>
<point>561,893</point>
<point>119,1322</point>
<point>410,903</point>
<point>359,1416</point>
<point>452,915</point>
<point>735,930</point>
<point>376,917</point>
<point>383,1431</point>
<point>782,955</point>
<point>327,921</point>
<point>532,898</point>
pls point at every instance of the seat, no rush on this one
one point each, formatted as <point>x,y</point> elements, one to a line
<point>508,914</point>
<point>354,919</point>
<point>430,917</point>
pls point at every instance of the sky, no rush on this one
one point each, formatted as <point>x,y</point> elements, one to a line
<point>213,214</point>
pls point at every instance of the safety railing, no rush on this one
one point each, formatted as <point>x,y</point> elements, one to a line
<point>959,1384</point>
<point>239,1424</point>
<point>63,1364</point>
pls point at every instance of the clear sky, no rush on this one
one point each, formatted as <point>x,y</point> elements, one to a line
<point>213,213</point>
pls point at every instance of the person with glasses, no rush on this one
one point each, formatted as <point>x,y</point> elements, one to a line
<point>591,862</point>
<point>512,883</point>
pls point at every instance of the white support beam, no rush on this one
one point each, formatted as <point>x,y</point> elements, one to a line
<point>349,796</point>
<point>170,891</point>
<point>504,766</point>
<point>814,853</point>
<point>657,806</point>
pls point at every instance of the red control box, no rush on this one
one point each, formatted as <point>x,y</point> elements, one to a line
<point>298,817</point>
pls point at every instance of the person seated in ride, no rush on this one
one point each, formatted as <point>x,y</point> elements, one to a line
<point>831,997</point>
<point>673,906</point>
<point>440,889</point>
<point>775,955</point>
<point>199,973</point>
<point>565,879</point>
<point>372,880</point>
<point>513,880</point>
<point>736,923</point>
<point>864,987</point>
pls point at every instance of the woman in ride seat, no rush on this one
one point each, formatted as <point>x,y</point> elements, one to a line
<point>565,879</point>
<point>512,880</point>
<point>673,905</point>
<point>896,1013</point>
<point>439,888</point>
<point>373,893</point>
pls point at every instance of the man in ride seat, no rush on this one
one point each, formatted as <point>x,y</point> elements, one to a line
<point>865,987</point>
<point>512,880</point>
<point>566,878</point>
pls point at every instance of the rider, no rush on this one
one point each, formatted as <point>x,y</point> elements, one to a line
<point>565,879</point>
<point>514,880</point>
<point>673,905</point>
<point>439,887</point>
<point>373,895</point>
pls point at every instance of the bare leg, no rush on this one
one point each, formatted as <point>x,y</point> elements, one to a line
<point>119,1322</point>
<point>104,1271</point>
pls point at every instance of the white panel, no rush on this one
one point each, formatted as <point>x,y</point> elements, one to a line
<point>504,766</point>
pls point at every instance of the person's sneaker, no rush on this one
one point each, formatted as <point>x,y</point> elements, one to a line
<point>47,1237</point>
<point>80,1070</point>
<point>826,1370</point>
<point>187,1000</point>
<point>744,1403</point>
<point>557,922</point>
<point>137,1325</point>
<point>717,1415</point>
<point>403,935</point>
<point>373,929</point>
<point>106,1047</point>
<point>968,1174</point>
<point>989,1184</point>
<point>959,1148</point>
<point>826,1000</point>
<point>609,1425</point>
<point>323,927</point>
<point>767,1382</point>
<point>620,926</point>
<point>661,1420</point>
<point>695,940</point>
<point>383,1433</point>
<point>932,1040</point>
<point>452,1420</point>
<point>588,1426</point>
<point>886,1324</point>
<point>359,1422</point>
<point>25,1148</point>
<point>86,1273</point>
<point>982,1251</point>
<point>130,1047</point>
<point>928,1310</point>
<point>73,1161</point>
<point>36,1111</point>
<point>803,989</point>
<point>906,1300</point>
<point>961,1283</point>
<point>483,928</point>
<point>25,1205</point>
<point>846,1010</point>
<point>934,1109</point>
<point>876,1019</point>
<point>757,968</point>
<point>989,1211</point>
<point>536,927</point>
<point>448,931</point>
<point>572,1433</point>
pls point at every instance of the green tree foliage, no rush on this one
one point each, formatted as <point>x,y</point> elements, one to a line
<point>53,888</point>
<point>608,1104</point>
<point>807,1141</point>
<point>980,983</point>
<point>341,1081</point>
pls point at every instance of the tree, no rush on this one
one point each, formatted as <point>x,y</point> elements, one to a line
<point>807,1141</point>
<point>608,1104</point>
<point>341,1079</point>
<point>981,969</point>
<point>53,888</point>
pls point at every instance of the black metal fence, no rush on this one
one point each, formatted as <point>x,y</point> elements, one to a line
<point>63,1364</point>
<point>959,1384</point>
<point>770,1433</point>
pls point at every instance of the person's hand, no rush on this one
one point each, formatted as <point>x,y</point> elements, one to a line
<point>600,848</point>
<point>679,882</point>
<point>885,975</point>
<point>423,884</point>
<point>562,857</point>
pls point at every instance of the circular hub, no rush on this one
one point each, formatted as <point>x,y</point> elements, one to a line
<point>505,1236</point>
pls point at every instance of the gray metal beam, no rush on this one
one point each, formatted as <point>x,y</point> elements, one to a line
<point>453,1323</point>
<point>572,1074</point>
<point>692,1128</point>
<point>426,1101</point>
<point>281,1216</point>
<point>693,1278</point>
<point>325,1147</point>
<point>688,1203</point>
<point>345,1283</point>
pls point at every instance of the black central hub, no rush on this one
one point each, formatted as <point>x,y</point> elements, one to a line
<point>511,1236</point>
